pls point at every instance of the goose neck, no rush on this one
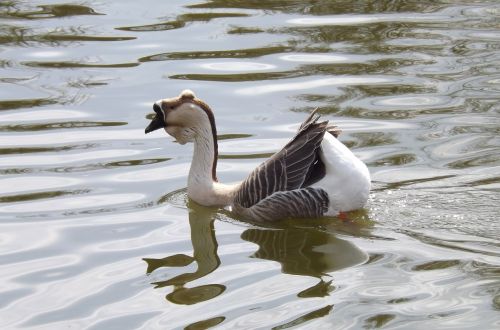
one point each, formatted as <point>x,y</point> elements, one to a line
<point>203,187</point>
<point>204,163</point>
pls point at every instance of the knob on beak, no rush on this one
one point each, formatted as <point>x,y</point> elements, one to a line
<point>157,122</point>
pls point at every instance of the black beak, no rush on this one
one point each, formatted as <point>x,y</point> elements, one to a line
<point>157,122</point>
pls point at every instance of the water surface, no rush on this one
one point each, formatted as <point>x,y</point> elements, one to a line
<point>96,231</point>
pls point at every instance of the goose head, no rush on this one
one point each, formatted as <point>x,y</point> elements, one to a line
<point>183,117</point>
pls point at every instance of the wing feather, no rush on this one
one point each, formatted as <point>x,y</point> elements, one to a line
<point>288,169</point>
<point>305,202</point>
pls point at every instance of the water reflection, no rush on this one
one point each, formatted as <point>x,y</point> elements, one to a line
<point>413,84</point>
<point>301,250</point>
<point>305,251</point>
<point>180,22</point>
<point>201,222</point>
<point>16,9</point>
<point>314,84</point>
<point>232,53</point>
<point>321,7</point>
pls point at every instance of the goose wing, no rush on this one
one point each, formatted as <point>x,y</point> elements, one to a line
<point>300,203</point>
<point>296,166</point>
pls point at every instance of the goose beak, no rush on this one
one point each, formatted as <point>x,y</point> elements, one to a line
<point>157,122</point>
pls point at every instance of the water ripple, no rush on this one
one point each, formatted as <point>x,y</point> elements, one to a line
<point>311,84</point>
<point>237,66</point>
<point>367,19</point>
<point>72,203</point>
<point>77,136</point>
<point>97,231</point>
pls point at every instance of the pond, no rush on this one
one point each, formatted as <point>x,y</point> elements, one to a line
<point>96,230</point>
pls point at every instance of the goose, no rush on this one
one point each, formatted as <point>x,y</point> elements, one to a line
<point>314,175</point>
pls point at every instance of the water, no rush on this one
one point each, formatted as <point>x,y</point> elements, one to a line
<point>96,230</point>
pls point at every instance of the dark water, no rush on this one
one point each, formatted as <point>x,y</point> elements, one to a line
<point>95,228</point>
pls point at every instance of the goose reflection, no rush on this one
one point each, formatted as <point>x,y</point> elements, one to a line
<point>310,249</point>
<point>201,221</point>
<point>306,251</point>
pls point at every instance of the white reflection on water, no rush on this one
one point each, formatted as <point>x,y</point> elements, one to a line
<point>242,146</point>
<point>32,183</point>
<point>72,203</point>
<point>153,174</point>
<point>460,147</point>
<point>34,139</point>
<point>17,238</point>
<point>335,20</point>
<point>310,84</point>
<point>317,58</point>
<point>41,115</point>
<point>46,54</point>
<point>54,159</point>
<point>237,66</point>
<point>364,19</point>
<point>417,100</point>
<point>13,91</point>
<point>347,125</point>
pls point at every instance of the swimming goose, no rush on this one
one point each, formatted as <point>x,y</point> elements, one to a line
<point>313,175</point>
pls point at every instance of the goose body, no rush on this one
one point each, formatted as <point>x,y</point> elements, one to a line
<point>313,175</point>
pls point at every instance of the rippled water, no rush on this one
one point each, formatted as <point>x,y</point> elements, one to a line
<point>96,231</point>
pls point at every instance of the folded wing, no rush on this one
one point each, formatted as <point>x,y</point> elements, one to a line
<point>306,202</point>
<point>295,167</point>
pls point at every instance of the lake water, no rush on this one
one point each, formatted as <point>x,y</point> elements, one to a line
<point>96,231</point>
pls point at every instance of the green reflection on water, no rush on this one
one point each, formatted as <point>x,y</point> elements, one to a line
<point>201,221</point>
<point>194,295</point>
<point>205,324</point>
<point>301,249</point>
<point>238,77</point>
<point>48,11</point>
<point>23,36</point>
<point>247,156</point>
<point>221,137</point>
<point>27,103</point>
<point>394,160</point>
<point>27,150</point>
<point>39,195</point>
<point>234,53</point>
<point>378,321</point>
<point>322,7</point>
<point>307,317</point>
<point>176,260</point>
<point>304,250</point>
<point>180,22</point>
<point>439,264</point>
<point>71,64</point>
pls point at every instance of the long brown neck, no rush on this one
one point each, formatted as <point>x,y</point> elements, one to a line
<point>215,152</point>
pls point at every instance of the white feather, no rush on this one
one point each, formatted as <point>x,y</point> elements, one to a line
<point>347,179</point>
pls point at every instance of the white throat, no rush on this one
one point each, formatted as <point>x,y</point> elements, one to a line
<point>201,169</point>
<point>201,185</point>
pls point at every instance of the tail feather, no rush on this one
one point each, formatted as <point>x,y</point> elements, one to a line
<point>334,130</point>
<point>311,119</point>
